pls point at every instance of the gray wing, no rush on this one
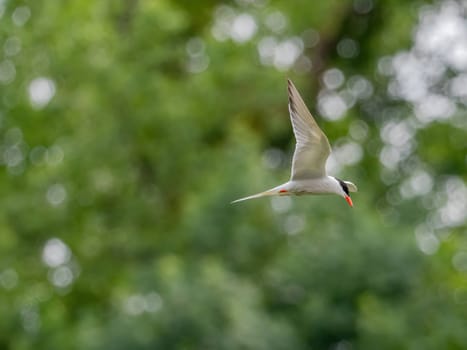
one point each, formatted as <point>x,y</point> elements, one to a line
<point>312,148</point>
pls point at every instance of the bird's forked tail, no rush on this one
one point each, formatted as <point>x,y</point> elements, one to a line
<point>275,191</point>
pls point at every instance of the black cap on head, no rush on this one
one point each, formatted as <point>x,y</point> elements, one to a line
<point>344,186</point>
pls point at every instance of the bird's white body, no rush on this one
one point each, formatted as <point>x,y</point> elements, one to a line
<point>311,152</point>
<point>321,185</point>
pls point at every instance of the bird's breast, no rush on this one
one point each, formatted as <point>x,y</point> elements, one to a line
<point>312,186</point>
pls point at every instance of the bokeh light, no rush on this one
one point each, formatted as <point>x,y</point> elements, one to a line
<point>55,253</point>
<point>41,90</point>
<point>127,129</point>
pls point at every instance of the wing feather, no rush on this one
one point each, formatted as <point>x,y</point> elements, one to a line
<point>312,147</point>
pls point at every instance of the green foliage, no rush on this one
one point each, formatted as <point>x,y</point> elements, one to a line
<point>127,127</point>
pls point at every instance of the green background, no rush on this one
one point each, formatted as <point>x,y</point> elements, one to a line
<point>127,127</point>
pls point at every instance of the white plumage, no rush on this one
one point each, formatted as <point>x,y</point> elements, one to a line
<point>312,149</point>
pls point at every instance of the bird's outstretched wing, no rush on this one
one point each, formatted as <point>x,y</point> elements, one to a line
<point>312,148</point>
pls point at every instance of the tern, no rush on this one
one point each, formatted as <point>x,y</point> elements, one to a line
<point>312,149</point>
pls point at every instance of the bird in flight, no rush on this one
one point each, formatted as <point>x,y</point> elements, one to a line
<point>312,149</point>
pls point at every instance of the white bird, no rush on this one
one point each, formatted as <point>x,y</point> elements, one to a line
<point>312,149</point>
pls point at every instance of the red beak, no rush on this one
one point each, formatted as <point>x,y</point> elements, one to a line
<point>349,200</point>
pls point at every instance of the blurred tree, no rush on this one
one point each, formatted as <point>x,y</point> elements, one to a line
<point>127,127</point>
